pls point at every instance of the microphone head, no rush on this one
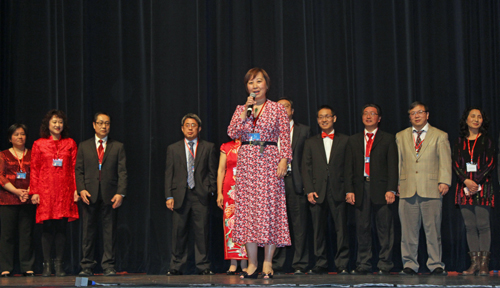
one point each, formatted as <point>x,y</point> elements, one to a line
<point>253,95</point>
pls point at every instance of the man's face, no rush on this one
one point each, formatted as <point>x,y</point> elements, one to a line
<point>190,129</point>
<point>288,108</point>
<point>419,117</point>
<point>371,118</point>
<point>326,119</point>
<point>102,126</point>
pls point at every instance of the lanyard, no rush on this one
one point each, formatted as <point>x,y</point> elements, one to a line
<point>471,153</point>
<point>258,115</point>
<point>189,148</point>
<point>22,159</point>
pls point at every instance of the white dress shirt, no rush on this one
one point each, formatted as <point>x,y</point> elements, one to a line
<point>327,142</point>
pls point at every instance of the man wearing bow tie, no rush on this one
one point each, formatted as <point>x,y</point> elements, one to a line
<point>424,178</point>
<point>323,177</point>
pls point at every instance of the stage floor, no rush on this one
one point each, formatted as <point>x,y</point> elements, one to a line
<point>222,280</point>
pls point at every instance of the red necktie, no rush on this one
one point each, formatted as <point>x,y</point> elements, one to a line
<point>100,152</point>
<point>368,149</point>
<point>324,135</point>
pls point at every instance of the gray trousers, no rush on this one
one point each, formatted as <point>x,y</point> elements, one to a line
<point>477,225</point>
<point>413,213</point>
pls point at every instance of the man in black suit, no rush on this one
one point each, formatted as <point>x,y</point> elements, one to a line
<point>190,179</point>
<point>323,176</point>
<point>371,175</point>
<point>296,202</point>
<point>101,181</point>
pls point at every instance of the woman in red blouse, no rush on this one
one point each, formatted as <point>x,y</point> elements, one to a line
<point>16,209</point>
<point>53,186</point>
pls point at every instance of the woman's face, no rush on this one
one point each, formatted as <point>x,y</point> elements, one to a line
<point>475,119</point>
<point>18,139</point>
<point>258,86</point>
<point>56,126</point>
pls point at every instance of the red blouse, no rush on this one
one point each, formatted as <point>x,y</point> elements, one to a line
<point>55,184</point>
<point>9,166</point>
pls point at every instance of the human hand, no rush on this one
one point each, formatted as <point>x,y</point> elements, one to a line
<point>282,168</point>
<point>35,199</point>
<point>390,197</point>
<point>443,189</point>
<point>350,198</point>
<point>170,204</point>
<point>76,197</point>
<point>311,197</point>
<point>472,186</point>
<point>85,196</point>
<point>220,200</point>
<point>117,201</point>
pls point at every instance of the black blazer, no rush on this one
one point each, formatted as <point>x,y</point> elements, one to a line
<point>300,134</point>
<point>113,170</point>
<point>383,166</point>
<point>317,174</point>
<point>205,171</point>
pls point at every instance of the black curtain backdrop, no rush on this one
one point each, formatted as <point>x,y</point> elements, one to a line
<point>150,62</point>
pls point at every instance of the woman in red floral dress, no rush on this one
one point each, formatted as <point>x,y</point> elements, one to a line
<point>53,186</point>
<point>226,188</point>
<point>260,216</point>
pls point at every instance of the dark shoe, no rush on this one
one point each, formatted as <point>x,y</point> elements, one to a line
<point>475,264</point>
<point>317,271</point>
<point>484,269</point>
<point>47,268</point>
<point>29,274</point>
<point>109,272</point>
<point>359,271</point>
<point>207,272</point>
<point>408,271</point>
<point>173,272</point>
<point>383,272</point>
<point>7,275</point>
<point>229,272</point>
<point>342,271</point>
<point>298,272</point>
<point>440,272</point>
<point>86,272</point>
<point>59,268</point>
<point>251,276</point>
<point>267,275</point>
<point>279,272</point>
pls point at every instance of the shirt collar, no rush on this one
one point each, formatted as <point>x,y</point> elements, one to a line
<point>424,129</point>
<point>291,123</point>
<point>104,140</point>
<point>374,131</point>
<point>194,140</point>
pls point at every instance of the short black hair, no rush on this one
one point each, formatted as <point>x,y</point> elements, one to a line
<point>287,99</point>
<point>417,103</point>
<point>101,113</point>
<point>191,116</point>
<point>379,110</point>
<point>326,107</point>
<point>13,129</point>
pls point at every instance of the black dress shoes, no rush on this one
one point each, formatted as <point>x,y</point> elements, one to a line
<point>207,272</point>
<point>439,272</point>
<point>317,271</point>
<point>298,272</point>
<point>173,272</point>
<point>86,272</point>
<point>342,271</point>
<point>7,275</point>
<point>383,272</point>
<point>29,274</point>
<point>229,272</point>
<point>408,271</point>
<point>109,272</point>
<point>359,271</point>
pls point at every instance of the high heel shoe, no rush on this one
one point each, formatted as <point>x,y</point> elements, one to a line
<point>267,275</point>
<point>251,276</point>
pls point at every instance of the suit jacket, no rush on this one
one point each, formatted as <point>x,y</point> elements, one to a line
<point>317,174</point>
<point>300,134</point>
<point>205,171</point>
<point>113,170</point>
<point>383,166</point>
<point>422,174</point>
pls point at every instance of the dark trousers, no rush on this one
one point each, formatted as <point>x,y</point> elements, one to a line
<point>319,214</point>
<point>385,232</point>
<point>92,215</point>
<point>477,226</point>
<point>191,216</point>
<point>296,206</point>
<point>20,220</point>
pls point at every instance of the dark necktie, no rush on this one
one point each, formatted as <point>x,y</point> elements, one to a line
<point>191,166</point>
<point>368,149</point>
<point>418,141</point>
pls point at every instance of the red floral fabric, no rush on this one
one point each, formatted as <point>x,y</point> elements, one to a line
<point>55,185</point>
<point>232,250</point>
<point>260,215</point>
<point>9,166</point>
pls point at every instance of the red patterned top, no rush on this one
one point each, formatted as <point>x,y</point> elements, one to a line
<point>260,215</point>
<point>55,184</point>
<point>9,166</point>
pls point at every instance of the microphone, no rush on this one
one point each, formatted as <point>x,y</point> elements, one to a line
<point>250,107</point>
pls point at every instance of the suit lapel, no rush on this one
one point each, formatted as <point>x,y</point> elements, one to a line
<point>321,147</point>
<point>429,138</point>
<point>378,138</point>
<point>93,148</point>
<point>109,146</point>
<point>296,132</point>
<point>334,146</point>
<point>199,153</point>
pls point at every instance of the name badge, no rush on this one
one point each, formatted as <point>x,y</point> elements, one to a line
<point>100,165</point>
<point>234,171</point>
<point>21,175</point>
<point>254,136</point>
<point>367,159</point>
<point>57,162</point>
<point>471,167</point>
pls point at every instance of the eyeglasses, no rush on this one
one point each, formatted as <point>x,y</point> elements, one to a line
<point>419,112</point>
<point>327,117</point>
<point>103,123</point>
<point>370,113</point>
<point>194,125</point>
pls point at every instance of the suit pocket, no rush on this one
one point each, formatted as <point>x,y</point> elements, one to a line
<point>402,177</point>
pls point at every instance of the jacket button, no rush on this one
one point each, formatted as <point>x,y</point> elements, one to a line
<point>416,172</point>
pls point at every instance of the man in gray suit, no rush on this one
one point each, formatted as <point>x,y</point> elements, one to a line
<point>424,178</point>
